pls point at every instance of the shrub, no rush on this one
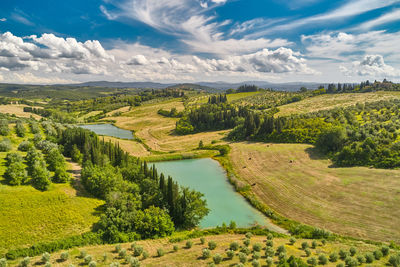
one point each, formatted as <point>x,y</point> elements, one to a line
<point>351,262</point>
<point>360,259</point>
<point>234,246</point>
<point>160,252</point>
<point>25,146</point>
<point>369,257</point>
<point>343,254</point>
<point>312,261</point>
<point>137,251</point>
<point>292,240</point>
<point>255,263</point>
<point>269,243</point>
<point>92,264</point>
<point>122,253</point>
<point>3,262</point>
<point>230,254</point>
<point>394,260</point>
<point>40,176</point>
<point>176,248</point>
<point>145,255</point>
<point>15,174</point>
<point>246,242</point>
<point>322,260</point>
<point>333,257</point>
<point>323,241</point>
<point>242,257</point>
<point>202,240</point>
<point>64,256</point>
<point>61,175</point>
<point>217,258</point>
<point>385,250</point>
<point>118,248</point>
<point>245,250</point>
<point>134,262</point>
<point>270,237</point>
<point>308,252</point>
<point>269,252</point>
<point>249,235</point>
<point>232,225</point>
<point>257,247</point>
<point>5,145</point>
<point>314,244</point>
<point>304,245</point>
<point>82,254</point>
<point>282,256</point>
<point>281,249</point>
<point>47,264</point>
<point>25,262</point>
<point>353,251</point>
<point>269,261</point>
<point>206,253</point>
<point>212,245</point>
<point>87,259</point>
<point>20,129</point>
<point>256,255</point>
<point>45,257</point>
<point>378,254</point>
<point>4,130</point>
<point>189,244</point>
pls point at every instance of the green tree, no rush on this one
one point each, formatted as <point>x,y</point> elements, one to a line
<point>15,173</point>
<point>331,139</point>
<point>40,176</point>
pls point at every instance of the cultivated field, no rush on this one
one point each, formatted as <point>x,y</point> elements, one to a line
<point>132,147</point>
<point>328,101</point>
<point>158,131</point>
<point>18,110</point>
<point>294,181</point>
<point>107,254</point>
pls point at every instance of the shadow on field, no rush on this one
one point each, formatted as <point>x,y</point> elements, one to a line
<point>316,154</point>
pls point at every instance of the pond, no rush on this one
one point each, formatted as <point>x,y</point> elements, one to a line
<point>108,129</point>
<point>208,177</point>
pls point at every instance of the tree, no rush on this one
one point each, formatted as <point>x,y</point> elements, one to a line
<point>332,139</point>
<point>76,154</point>
<point>191,208</point>
<point>55,160</point>
<point>15,173</point>
<point>40,176</point>
<point>20,129</point>
<point>61,175</point>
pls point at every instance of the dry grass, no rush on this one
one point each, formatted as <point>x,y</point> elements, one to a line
<point>192,256</point>
<point>132,147</point>
<point>324,102</point>
<point>293,180</point>
<point>18,110</point>
<point>158,131</point>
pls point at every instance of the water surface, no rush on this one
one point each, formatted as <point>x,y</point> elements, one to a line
<point>108,129</point>
<point>208,177</point>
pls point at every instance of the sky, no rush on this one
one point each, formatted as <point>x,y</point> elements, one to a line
<point>47,41</point>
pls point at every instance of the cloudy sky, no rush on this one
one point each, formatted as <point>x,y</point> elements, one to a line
<point>48,41</point>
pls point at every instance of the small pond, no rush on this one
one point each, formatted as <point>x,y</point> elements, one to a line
<point>108,129</point>
<point>208,177</point>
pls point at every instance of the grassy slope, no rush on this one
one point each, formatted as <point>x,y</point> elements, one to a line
<point>293,180</point>
<point>157,131</point>
<point>324,102</point>
<point>192,256</point>
<point>30,216</point>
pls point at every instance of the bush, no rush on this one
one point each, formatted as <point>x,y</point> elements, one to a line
<point>394,260</point>
<point>47,264</point>
<point>304,245</point>
<point>234,246</point>
<point>40,176</point>
<point>5,145</point>
<point>160,252</point>
<point>20,129</point>
<point>255,263</point>
<point>385,250</point>
<point>87,259</point>
<point>378,254</point>
<point>312,261</point>
<point>281,249</point>
<point>61,176</point>
<point>282,256</point>
<point>145,255</point>
<point>176,248</point>
<point>217,258</point>
<point>242,257</point>
<point>257,247</point>
<point>15,174</point>
<point>118,248</point>
<point>246,242</point>
<point>256,255</point>
<point>322,260</point>
<point>360,259</point>
<point>206,253</point>
<point>269,243</point>
<point>351,262</point>
<point>4,130</point>
<point>269,261</point>
<point>270,237</point>
<point>25,146</point>
<point>230,254</point>
<point>292,240</point>
<point>137,251</point>
<point>134,262</point>
<point>3,262</point>
<point>25,262</point>
<point>202,240</point>
<point>245,250</point>
<point>369,257</point>
<point>343,254</point>
<point>333,257</point>
<point>122,253</point>
<point>189,244</point>
<point>308,252</point>
<point>269,252</point>
<point>314,244</point>
<point>249,235</point>
<point>353,251</point>
<point>82,254</point>
<point>64,256</point>
<point>45,257</point>
<point>92,264</point>
<point>212,245</point>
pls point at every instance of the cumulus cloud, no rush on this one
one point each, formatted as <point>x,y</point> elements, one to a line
<point>3,19</point>
<point>371,66</point>
<point>138,60</point>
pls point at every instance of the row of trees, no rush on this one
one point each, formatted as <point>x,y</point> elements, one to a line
<point>139,201</point>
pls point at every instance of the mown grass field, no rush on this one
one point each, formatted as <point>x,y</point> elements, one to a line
<point>132,147</point>
<point>158,131</point>
<point>29,216</point>
<point>328,101</point>
<point>193,256</point>
<point>293,180</point>
<point>18,110</point>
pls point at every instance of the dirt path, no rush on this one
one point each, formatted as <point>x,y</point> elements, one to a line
<point>75,170</point>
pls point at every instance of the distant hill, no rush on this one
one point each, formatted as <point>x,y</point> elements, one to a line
<point>124,84</point>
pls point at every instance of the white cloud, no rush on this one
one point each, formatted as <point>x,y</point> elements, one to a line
<point>372,66</point>
<point>386,18</point>
<point>3,19</point>
<point>30,78</point>
<point>138,60</point>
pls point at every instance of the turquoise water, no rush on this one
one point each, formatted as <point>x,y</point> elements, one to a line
<point>108,129</point>
<point>208,177</point>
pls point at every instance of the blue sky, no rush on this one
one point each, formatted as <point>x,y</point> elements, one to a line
<point>47,41</point>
